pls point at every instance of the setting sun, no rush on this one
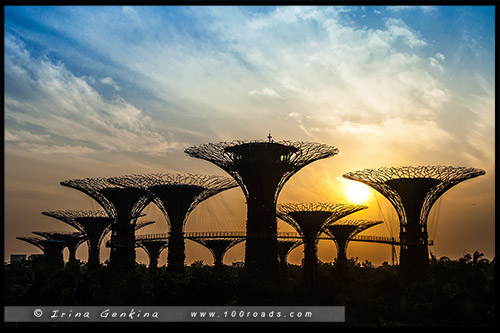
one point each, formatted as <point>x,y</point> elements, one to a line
<point>357,192</point>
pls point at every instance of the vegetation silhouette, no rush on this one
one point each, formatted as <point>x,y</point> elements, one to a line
<point>454,293</point>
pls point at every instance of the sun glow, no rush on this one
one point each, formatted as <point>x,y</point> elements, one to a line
<point>357,192</point>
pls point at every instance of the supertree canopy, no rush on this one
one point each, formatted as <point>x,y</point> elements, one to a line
<point>177,195</point>
<point>343,230</point>
<point>94,224</point>
<point>51,248</point>
<point>125,205</point>
<point>218,247</point>
<point>412,191</point>
<point>310,219</point>
<point>72,240</point>
<point>284,248</point>
<point>153,248</point>
<point>274,161</point>
<point>261,168</point>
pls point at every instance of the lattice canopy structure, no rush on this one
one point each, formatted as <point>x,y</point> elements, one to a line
<point>94,224</point>
<point>412,191</point>
<point>343,230</point>
<point>284,249</point>
<point>153,248</point>
<point>51,248</point>
<point>218,247</point>
<point>262,168</point>
<point>276,161</point>
<point>124,204</point>
<point>177,195</point>
<point>310,219</point>
<point>72,240</point>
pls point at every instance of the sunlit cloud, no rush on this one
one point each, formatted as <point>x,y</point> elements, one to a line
<point>66,106</point>
<point>424,134</point>
<point>267,92</point>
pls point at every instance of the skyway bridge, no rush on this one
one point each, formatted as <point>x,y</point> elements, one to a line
<point>280,235</point>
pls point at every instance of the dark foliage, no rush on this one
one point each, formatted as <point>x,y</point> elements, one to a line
<point>451,293</point>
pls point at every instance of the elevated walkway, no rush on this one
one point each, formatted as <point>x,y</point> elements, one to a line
<point>281,235</point>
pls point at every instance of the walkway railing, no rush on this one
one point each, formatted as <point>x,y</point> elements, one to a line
<point>281,235</point>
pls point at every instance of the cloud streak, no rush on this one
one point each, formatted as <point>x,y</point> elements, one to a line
<point>66,108</point>
<point>238,66</point>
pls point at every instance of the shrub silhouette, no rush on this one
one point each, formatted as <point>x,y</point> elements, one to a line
<point>453,293</point>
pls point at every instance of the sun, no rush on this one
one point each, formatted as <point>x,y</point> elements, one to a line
<point>357,192</point>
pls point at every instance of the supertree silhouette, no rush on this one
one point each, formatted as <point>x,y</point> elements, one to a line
<point>51,248</point>
<point>412,191</point>
<point>284,249</point>
<point>176,195</point>
<point>153,248</point>
<point>342,231</point>
<point>72,240</point>
<point>94,224</point>
<point>310,219</point>
<point>262,168</point>
<point>125,205</point>
<point>218,247</point>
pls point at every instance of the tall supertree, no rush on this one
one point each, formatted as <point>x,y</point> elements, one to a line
<point>51,248</point>
<point>176,195</point>
<point>342,231</point>
<point>125,205</point>
<point>412,191</point>
<point>218,247</point>
<point>95,224</point>
<point>310,219</point>
<point>262,168</point>
<point>72,240</point>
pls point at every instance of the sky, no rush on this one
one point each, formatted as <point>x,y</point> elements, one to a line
<point>104,91</point>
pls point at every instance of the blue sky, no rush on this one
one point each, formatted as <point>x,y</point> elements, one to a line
<point>96,91</point>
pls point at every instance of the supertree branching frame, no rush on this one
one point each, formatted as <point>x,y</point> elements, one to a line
<point>343,230</point>
<point>73,239</point>
<point>177,195</point>
<point>51,248</point>
<point>112,197</point>
<point>218,247</point>
<point>310,219</point>
<point>295,155</point>
<point>262,168</point>
<point>333,212</point>
<point>201,186</point>
<point>412,191</point>
<point>440,179</point>
<point>122,203</point>
<point>94,224</point>
<point>284,249</point>
<point>153,248</point>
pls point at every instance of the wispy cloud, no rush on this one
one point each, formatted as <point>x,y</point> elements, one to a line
<point>46,95</point>
<point>268,92</point>
<point>425,9</point>
<point>237,65</point>
<point>110,82</point>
